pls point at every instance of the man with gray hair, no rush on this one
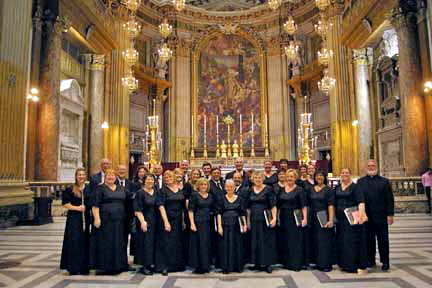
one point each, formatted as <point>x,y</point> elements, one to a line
<point>239,165</point>
<point>379,203</point>
<point>184,165</point>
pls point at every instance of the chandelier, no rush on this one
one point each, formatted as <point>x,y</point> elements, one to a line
<point>165,53</point>
<point>130,82</point>
<point>291,50</point>
<point>290,26</point>
<point>130,55</point>
<point>165,28</point>
<point>327,83</point>
<point>322,27</point>
<point>274,4</point>
<point>132,4</point>
<point>324,56</point>
<point>322,4</point>
<point>179,5</point>
<point>132,28</point>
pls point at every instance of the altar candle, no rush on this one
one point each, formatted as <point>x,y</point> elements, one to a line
<point>217,124</point>
<point>265,123</point>
<point>241,124</point>
<point>252,123</point>
<point>205,125</point>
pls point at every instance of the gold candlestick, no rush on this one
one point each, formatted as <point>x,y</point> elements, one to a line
<point>223,150</point>
<point>228,120</point>
<point>235,148</point>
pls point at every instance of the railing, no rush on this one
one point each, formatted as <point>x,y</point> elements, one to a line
<point>402,186</point>
<point>49,189</point>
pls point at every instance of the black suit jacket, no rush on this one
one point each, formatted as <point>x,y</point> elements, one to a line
<point>95,180</point>
<point>246,180</point>
<point>379,199</point>
<point>216,192</point>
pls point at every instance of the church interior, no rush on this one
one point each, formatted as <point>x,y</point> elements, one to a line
<point>331,83</point>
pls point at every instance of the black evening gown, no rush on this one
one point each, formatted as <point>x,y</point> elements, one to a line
<point>321,239</point>
<point>111,249</point>
<point>350,239</point>
<point>170,245</point>
<point>263,238</point>
<point>290,235</point>
<point>145,241</point>
<point>74,257</point>
<point>307,253</point>
<point>200,247</point>
<point>231,249</point>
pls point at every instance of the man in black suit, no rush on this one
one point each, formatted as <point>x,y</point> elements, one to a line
<point>122,180</point>
<point>184,165</point>
<point>240,188</point>
<point>379,203</point>
<point>206,168</point>
<point>239,164</point>
<point>99,177</point>
<point>157,172</point>
<point>216,184</point>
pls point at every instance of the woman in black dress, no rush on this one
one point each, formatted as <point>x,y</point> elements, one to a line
<point>231,220</point>
<point>146,212</point>
<point>322,202</point>
<point>281,174</point>
<point>109,220</point>
<point>74,256</point>
<point>201,207</point>
<point>263,244</point>
<point>291,199</point>
<point>350,239</point>
<point>169,234</point>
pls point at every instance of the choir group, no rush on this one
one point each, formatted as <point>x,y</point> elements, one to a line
<point>178,219</point>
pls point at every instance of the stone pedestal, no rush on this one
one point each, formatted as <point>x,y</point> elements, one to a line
<point>361,59</point>
<point>96,65</point>
<point>414,132</point>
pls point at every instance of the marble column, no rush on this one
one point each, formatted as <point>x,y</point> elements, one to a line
<point>364,128</point>
<point>96,65</point>
<point>423,20</point>
<point>342,133</point>
<point>49,104</point>
<point>34,82</point>
<point>414,140</point>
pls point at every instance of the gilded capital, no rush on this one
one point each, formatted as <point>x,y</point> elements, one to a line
<point>362,56</point>
<point>95,62</point>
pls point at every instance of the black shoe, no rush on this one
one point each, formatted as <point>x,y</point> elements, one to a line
<point>385,267</point>
<point>348,270</point>
<point>324,269</point>
<point>131,269</point>
<point>84,273</point>
<point>269,269</point>
<point>73,273</point>
<point>146,271</point>
<point>165,272</point>
<point>255,268</point>
<point>197,271</point>
<point>225,271</point>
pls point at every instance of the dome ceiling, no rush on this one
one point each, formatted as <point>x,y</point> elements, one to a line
<point>225,5</point>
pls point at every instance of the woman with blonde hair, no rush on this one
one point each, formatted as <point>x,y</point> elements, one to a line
<point>201,207</point>
<point>350,239</point>
<point>109,220</point>
<point>74,256</point>
<point>169,234</point>
<point>291,202</point>
<point>262,221</point>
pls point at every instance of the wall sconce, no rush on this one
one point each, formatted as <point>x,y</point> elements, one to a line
<point>33,95</point>
<point>105,125</point>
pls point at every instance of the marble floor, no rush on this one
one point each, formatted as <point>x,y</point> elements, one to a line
<point>29,257</point>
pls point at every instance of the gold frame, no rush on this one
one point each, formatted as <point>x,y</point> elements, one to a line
<point>196,54</point>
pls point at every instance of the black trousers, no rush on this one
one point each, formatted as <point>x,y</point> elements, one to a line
<point>377,231</point>
<point>428,196</point>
